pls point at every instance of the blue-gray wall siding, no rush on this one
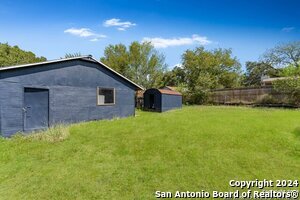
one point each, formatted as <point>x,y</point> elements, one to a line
<point>0,118</point>
<point>171,102</point>
<point>72,93</point>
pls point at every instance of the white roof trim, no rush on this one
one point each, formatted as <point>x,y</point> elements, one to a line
<point>67,59</point>
<point>41,63</point>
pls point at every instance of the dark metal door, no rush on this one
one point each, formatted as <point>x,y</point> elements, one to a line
<point>36,108</point>
<point>151,101</point>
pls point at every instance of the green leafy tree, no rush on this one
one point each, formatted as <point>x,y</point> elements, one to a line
<point>207,70</point>
<point>256,70</point>
<point>286,58</point>
<point>217,68</point>
<point>175,77</point>
<point>290,71</point>
<point>291,88</point>
<point>13,55</point>
<point>283,55</point>
<point>117,57</point>
<point>140,62</point>
<point>73,55</point>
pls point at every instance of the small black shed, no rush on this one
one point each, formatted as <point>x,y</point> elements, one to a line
<point>161,100</point>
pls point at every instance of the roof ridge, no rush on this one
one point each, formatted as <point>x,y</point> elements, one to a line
<point>44,62</point>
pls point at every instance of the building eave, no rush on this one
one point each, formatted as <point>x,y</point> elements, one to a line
<point>86,58</point>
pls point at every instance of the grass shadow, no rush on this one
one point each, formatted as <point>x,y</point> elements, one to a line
<point>296,132</point>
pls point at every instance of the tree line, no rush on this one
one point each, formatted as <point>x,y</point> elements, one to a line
<point>201,71</point>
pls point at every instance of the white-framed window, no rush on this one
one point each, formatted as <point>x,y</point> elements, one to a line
<point>105,96</point>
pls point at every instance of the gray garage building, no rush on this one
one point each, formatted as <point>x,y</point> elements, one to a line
<point>36,96</point>
<point>161,100</point>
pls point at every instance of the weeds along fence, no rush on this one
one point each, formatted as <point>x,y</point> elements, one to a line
<point>246,96</point>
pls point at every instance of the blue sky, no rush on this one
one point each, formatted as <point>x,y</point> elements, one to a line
<point>53,28</point>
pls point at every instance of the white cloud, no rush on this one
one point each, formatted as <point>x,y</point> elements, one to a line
<point>121,26</point>
<point>85,33</point>
<point>159,42</point>
<point>121,29</point>
<point>94,40</point>
<point>82,32</point>
<point>287,29</point>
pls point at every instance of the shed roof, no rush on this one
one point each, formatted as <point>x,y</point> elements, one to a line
<point>171,92</point>
<point>170,88</point>
<point>85,58</point>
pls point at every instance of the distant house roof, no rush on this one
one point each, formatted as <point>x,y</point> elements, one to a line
<point>171,92</point>
<point>274,79</point>
<point>85,58</point>
<point>269,81</point>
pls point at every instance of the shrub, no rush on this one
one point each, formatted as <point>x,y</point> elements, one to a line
<point>291,88</point>
<point>195,97</point>
<point>267,99</point>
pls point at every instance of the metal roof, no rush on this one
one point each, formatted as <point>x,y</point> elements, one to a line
<point>171,92</point>
<point>86,58</point>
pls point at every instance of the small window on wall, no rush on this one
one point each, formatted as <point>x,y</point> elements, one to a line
<point>105,96</point>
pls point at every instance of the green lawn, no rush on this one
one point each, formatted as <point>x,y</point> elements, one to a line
<point>196,148</point>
